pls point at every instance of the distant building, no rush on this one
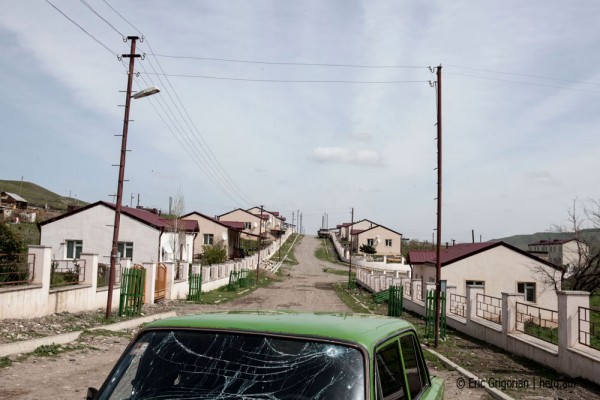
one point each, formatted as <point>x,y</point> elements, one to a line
<point>13,200</point>
<point>560,252</point>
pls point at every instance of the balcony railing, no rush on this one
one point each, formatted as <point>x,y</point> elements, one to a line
<point>489,308</point>
<point>16,269</point>
<point>539,322</point>
<point>458,305</point>
<point>589,327</point>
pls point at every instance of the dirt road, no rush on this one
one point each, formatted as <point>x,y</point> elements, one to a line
<point>67,376</point>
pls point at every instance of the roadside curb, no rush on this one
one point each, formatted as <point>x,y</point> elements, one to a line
<point>495,393</point>
<point>27,346</point>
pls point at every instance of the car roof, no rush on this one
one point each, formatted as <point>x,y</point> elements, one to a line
<point>363,329</point>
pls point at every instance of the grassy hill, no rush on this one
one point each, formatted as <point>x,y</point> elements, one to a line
<point>38,196</point>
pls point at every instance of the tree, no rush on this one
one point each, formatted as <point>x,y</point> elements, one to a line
<point>581,269</point>
<point>11,247</point>
<point>367,249</point>
<point>214,253</point>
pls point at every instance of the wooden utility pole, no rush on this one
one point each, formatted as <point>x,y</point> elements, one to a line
<point>115,240</point>
<point>350,253</point>
<point>438,263</point>
<point>259,241</point>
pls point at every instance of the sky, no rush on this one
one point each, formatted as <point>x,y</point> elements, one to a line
<point>318,106</point>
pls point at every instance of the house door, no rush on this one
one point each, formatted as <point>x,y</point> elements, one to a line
<point>160,284</point>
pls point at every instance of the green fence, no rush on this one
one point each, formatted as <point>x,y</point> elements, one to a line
<point>430,314</point>
<point>395,299</point>
<point>240,279</point>
<point>132,291</point>
<point>381,296</point>
<point>195,287</point>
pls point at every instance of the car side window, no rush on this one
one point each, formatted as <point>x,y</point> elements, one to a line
<point>389,372</point>
<point>413,366</point>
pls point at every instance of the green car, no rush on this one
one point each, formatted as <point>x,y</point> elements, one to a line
<point>273,355</point>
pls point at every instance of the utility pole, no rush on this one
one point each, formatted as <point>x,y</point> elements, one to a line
<point>115,240</point>
<point>259,240</point>
<point>438,263</point>
<point>293,226</point>
<point>350,253</point>
<point>301,223</point>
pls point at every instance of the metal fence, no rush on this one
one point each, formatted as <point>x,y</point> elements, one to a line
<point>180,270</point>
<point>458,305</point>
<point>419,290</point>
<point>66,272</point>
<point>104,274</point>
<point>589,327</point>
<point>407,288</point>
<point>539,322</point>
<point>489,308</point>
<point>16,269</point>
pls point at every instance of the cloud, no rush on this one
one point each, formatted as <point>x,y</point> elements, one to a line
<point>540,178</point>
<point>346,156</point>
<point>358,137</point>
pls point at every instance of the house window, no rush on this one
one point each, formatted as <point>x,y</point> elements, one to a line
<point>475,283</point>
<point>527,289</point>
<point>388,242</point>
<point>74,248</point>
<point>370,242</point>
<point>248,225</point>
<point>209,238</point>
<point>125,249</point>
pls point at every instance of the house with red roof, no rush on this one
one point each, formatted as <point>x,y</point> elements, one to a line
<point>254,224</point>
<point>213,231</point>
<point>497,266</point>
<point>144,236</point>
<point>275,225</point>
<point>384,240</point>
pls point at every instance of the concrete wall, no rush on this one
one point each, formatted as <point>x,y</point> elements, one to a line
<point>37,299</point>
<point>569,357</point>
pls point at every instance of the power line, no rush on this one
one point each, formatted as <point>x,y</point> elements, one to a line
<point>80,27</point>
<point>305,64</point>
<point>102,18</point>
<point>287,80</point>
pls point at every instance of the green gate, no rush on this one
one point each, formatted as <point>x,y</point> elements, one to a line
<point>395,298</point>
<point>195,287</point>
<point>430,314</point>
<point>132,291</point>
<point>240,279</point>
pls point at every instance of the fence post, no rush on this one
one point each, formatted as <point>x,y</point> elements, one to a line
<point>413,289</point>
<point>170,280</point>
<point>509,312</point>
<point>42,266</point>
<point>90,261</point>
<point>568,317</point>
<point>472,292</point>
<point>150,282</point>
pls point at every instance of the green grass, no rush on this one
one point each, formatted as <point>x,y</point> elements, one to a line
<point>288,258</point>
<point>223,295</point>
<point>27,231</point>
<point>5,362</point>
<point>52,350</point>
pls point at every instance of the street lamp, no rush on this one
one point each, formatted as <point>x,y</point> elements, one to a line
<point>115,241</point>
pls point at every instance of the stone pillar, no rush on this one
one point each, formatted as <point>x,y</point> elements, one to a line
<point>90,273</point>
<point>150,282</point>
<point>472,292</point>
<point>170,280</point>
<point>509,311</point>
<point>568,318</point>
<point>413,289</point>
<point>42,265</point>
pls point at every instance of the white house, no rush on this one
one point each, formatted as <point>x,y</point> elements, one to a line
<point>253,224</point>
<point>497,266</point>
<point>213,231</point>
<point>143,235</point>
<point>385,241</point>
